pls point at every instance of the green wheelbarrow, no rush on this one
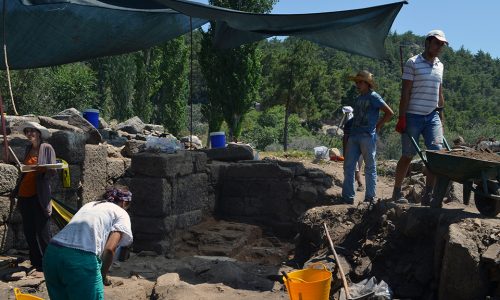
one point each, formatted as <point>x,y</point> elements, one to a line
<point>480,176</point>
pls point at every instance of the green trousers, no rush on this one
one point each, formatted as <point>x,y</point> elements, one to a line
<point>72,274</point>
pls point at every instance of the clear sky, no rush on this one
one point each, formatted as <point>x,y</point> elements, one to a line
<point>471,24</point>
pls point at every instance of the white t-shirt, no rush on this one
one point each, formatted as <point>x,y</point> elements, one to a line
<point>90,227</point>
<point>427,77</point>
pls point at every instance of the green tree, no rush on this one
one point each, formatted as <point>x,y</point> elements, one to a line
<point>233,76</point>
<point>170,99</point>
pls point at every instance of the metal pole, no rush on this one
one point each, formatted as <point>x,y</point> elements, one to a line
<point>4,132</point>
<point>191,88</point>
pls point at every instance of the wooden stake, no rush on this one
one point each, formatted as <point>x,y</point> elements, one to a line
<point>341,271</point>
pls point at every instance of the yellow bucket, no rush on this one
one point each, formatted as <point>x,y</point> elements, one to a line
<point>21,296</point>
<point>309,284</point>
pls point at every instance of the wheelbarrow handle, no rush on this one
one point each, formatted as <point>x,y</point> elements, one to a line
<point>447,146</point>
<point>419,151</point>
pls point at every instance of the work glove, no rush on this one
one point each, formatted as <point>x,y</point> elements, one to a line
<point>401,125</point>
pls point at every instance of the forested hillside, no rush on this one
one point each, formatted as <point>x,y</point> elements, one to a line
<point>154,85</point>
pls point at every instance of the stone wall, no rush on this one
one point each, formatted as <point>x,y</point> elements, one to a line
<point>274,193</point>
<point>170,192</point>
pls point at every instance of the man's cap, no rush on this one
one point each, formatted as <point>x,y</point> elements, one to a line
<point>364,76</point>
<point>438,34</point>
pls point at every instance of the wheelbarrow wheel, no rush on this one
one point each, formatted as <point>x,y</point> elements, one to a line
<point>487,205</point>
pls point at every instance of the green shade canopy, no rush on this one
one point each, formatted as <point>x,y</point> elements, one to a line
<point>359,31</point>
<point>42,33</point>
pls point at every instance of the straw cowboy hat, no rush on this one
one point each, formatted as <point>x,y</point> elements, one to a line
<point>44,132</point>
<point>364,76</point>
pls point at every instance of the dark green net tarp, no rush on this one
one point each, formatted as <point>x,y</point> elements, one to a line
<point>43,33</point>
<point>359,31</point>
<point>46,33</point>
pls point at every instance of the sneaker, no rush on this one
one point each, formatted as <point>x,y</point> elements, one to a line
<point>369,200</point>
<point>360,188</point>
<point>348,201</point>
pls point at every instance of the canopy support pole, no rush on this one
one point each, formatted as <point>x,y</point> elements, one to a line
<point>191,86</point>
<point>4,33</point>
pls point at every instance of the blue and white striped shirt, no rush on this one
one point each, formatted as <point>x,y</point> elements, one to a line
<point>427,77</point>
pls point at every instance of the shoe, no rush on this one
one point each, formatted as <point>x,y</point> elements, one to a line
<point>348,201</point>
<point>360,188</point>
<point>369,200</point>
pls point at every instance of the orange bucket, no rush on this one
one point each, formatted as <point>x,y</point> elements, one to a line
<point>309,284</point>
<point>21,296</point>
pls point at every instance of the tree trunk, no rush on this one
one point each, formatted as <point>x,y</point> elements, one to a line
<point>285,129</point>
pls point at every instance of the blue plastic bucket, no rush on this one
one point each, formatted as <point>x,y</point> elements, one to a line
<point>218,139</point>
<point>92,115</point>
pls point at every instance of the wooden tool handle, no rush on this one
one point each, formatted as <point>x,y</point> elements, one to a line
<point>341,271</point>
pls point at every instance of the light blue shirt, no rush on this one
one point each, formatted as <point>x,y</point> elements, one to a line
<point>366,113</point>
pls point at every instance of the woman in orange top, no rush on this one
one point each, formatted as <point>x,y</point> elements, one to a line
<point>33,192</point>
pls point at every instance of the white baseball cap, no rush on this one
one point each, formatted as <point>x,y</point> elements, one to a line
<point>438,34</point>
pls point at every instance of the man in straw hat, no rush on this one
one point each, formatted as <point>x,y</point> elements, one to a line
<point>421,110</point>
<point>33,192</point>
<point>366,124</point>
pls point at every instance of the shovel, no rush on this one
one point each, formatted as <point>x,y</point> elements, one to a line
<point>341,271</point>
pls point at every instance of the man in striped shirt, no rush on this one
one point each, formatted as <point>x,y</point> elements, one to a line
<point>420,110</point>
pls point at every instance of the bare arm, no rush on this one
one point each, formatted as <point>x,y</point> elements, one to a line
<point>441,104</point>
<point>109,252</point>
<point>388,113</point>
<point>405,97</point>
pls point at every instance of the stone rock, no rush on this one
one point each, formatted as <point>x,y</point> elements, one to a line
<point>18,143</point>
<point>115,168</point>
<point>188,219</point>
<point>147,203</point>
<point>102,123</point>
<point>159,226</point>
<point>12,122</point>
<point>94,177</point>
<point>58,124</point>
<point>93,135</point>
<point>194,141</point>
<point>133,147</point>
<point>492,254</point>
<point>233,152</point>
<point>133,125</point>
<point>8,178</point>
<point>461,276</point>
<point>7,237</point>
<point>69,146</point>
<point>363,267</point>
<point>154,127</point>
<point>67,112</point>
<point>259,170</point>
<point>163,165</point>
<point>455,193</point>
<point>190,193</point>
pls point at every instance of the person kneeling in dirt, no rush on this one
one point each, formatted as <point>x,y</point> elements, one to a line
<point>363,136</point>
<point>79,256</point>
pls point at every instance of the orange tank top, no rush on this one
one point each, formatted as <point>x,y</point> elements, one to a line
<point>28,185</point>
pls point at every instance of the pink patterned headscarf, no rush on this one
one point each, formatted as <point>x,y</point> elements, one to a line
<point>114,194</point>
